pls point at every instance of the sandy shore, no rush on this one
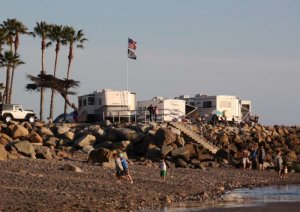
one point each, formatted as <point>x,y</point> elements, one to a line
<point>41,185</point>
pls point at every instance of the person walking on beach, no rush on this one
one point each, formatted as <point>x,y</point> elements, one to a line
<point>125,167</point>
<point>163,169</point>
<point>261,157</point>
<point>118,167</point>
<point>150,109</point>
<point>279,163</point>
<point>155,112</point>
<point>253,157</point>
<point>245,159</point>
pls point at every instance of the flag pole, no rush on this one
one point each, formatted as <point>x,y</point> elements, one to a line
<point>127,74</point>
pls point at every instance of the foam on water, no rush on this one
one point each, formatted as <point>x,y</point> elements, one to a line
<point>244,198</point>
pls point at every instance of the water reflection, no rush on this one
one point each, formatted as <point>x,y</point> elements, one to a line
<point>244,198</point>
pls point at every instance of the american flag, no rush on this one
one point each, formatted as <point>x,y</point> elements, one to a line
<point>131,54</point>
<point>131,44</point>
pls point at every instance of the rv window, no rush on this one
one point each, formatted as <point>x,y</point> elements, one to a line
<point>84,102</point>
<point>100,103</point>
<point>207,104</point>
<point>245,108</point>
<point>91,100</point>
<point>80,102</point>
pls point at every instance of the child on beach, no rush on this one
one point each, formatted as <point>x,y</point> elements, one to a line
<point>285,172</point>
<point>125,167</point>
<point>163,169</point>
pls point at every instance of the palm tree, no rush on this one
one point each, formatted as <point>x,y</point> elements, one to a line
<point>72,37</point>
<point>19,29</point>
<point>51,82</point>
<point>56,35</point>
<point>42,29</point>
<point>3,38</point>
<point>14,28</point>
<point>8,26</point>
<point>9,60</point>
<point>1,88</point>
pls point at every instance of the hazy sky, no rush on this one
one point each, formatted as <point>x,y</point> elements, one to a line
<point>246,48</point>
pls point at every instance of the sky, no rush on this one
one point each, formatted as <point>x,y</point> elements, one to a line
<point>250,49</point>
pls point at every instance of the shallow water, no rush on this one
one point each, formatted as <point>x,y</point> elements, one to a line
<point>244,198</point>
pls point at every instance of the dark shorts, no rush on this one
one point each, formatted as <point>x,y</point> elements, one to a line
<point>120,173</point>
<point>261,161</point>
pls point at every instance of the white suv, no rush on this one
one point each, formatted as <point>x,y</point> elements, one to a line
<point>10,112</point>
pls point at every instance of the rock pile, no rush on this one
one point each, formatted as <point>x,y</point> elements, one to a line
<point>147,141</point>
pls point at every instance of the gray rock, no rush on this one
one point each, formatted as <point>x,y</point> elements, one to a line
<point>19,131</point>
<point>164,136</point>
<point>25,148</point>
<point>86,140</point>
<point>3,152</point>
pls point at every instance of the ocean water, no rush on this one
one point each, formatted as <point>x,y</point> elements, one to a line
<point>243,198</point>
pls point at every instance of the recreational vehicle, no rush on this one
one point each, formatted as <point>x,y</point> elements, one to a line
<point>228,107</point>
<point>168,109</point>
<point>106,104</point>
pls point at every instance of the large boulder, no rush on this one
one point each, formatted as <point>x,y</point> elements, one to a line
<point>35,138</point>
<point>3,153</point>
<point>166,149</point>
<point>4,138</point>
<point>185,152</point>
<point>45,131</point>
<point>101,156</point>
<point>43,153</point>
<point>62,129</point>
<point>96,130</point>
<point>86,140</point>
<point>51,141</point>
<point>19,131</point>
<point>164,136</point>
<point>140,148</point>
<point>69,135</point>
<point>126,134</point>
<point>25,148</point>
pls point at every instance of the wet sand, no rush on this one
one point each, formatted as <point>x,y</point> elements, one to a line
<point>274,207</point>
<point>41,185</point>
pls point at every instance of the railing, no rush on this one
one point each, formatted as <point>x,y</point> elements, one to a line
<point>140,115</point>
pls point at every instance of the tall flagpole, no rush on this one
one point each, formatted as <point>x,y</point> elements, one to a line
<point>127,74</point>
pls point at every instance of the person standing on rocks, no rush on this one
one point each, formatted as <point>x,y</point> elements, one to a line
<point>279,163</point>
<point>125,167</point>
<point>150,110</point>
<point>155,112</point>
<point>261,157</point>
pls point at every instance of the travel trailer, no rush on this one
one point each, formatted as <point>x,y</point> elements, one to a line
<point>168,109</point>
<point>223,106</point>
<point>106,104</point>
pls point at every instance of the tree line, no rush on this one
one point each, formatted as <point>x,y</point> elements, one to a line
<point>59,35</point>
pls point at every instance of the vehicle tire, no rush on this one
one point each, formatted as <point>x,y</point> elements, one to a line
<point>30,119</point>
<point>7,118</point>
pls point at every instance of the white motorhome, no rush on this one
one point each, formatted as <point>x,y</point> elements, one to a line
<point>223,105</point>
<point>168,109</point>
<point>106,104</point>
